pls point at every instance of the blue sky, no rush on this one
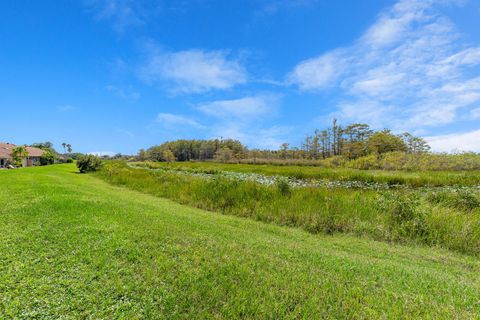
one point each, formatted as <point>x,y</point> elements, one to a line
<point>113,76</point>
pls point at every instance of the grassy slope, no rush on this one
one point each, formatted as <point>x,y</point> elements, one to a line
<point>73,245</point>
<point>415,179</point>
<point>398,217</point>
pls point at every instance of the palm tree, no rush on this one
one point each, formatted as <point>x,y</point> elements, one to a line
<point>18,154</point>
<point>69,148</point>
<point>64,145</point>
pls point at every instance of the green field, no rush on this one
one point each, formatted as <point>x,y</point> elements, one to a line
<point>442,216</point>
<point>73,246</point>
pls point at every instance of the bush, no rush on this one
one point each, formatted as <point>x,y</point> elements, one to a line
<point>334,162</point>
<point>47,158</point>
<point>69,160</point>
<point>283,187</point>
<point>89,163</point>
<point>393,160</point>
<point>365,163</point>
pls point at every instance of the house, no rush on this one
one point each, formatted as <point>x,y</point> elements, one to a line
<point>34,155</point>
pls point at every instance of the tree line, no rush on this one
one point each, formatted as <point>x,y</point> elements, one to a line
<point>351,142</point>
<point>186,150</point>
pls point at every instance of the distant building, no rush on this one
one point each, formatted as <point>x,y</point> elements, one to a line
<point>34,155</point>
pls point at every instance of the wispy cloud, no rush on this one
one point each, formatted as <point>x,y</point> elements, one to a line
<point>173,120</point>
<point>320,72</point>
<point>245,119</point>
<point>243,109</point>
<point>256,136</point>
<point>193,71</point>
<point>123,14</point>
<point>465,141</point>
<point>475,114</point>
<point>410,69</point>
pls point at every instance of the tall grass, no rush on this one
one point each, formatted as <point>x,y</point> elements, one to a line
<point>399,216</point>
<point>388,161</point>
<point>412,179</point>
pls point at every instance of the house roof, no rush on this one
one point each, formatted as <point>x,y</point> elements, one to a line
<point>6,151</point>
<point>34,152</point>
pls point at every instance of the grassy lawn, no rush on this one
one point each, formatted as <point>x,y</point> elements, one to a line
<point>443,217</point>
<point>73,246</point>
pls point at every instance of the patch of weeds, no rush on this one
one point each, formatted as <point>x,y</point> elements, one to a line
<point>462,199</point>
<point>406,216</point>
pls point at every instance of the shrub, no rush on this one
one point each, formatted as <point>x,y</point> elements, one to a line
<point>69,160</point>
<point>393,160</point>
<point>47,158</point>
<point>168,156</point>
<point>334,162</point>
<point>364,163</point>
<point>89,163</point>
<point>284,187</point>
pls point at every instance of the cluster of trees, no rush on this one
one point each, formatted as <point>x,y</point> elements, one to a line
<point>350,142</point>
<point>187,150</point>
<point>358,140</point>
<point>50,155</point>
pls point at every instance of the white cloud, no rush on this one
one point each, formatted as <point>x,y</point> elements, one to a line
<point>409,70</point>
<point>394,24</point>
<point>319,73</point>
<point>246,119</point>
<point>102,153</point>
<point>470,56</point>
<point>475,114</point>
<point>194,71</point>
<point>254,136</point>
<point>169,119</point>
<point>123,13</point>
<point>247,108</point>
<point>467,141</point>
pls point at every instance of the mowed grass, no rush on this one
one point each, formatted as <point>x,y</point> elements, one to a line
<point>447,218</point>
<point>412,179</point>
<point>73,246</point>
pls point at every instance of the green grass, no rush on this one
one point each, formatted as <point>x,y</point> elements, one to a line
<point>73,246</point>
<point>425,217</point>
<point>413,179</point>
